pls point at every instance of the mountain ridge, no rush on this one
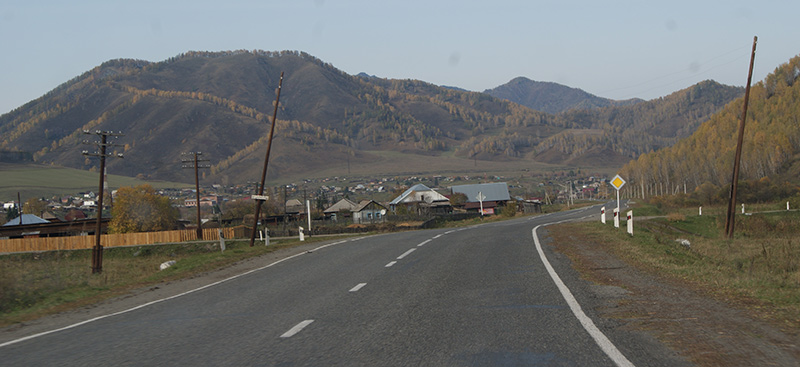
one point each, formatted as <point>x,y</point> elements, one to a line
<point>220,103</point>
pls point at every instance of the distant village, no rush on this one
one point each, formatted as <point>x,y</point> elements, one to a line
<point>330,200</point>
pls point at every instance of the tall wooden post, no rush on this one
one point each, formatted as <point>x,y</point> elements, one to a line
<point>729,223</point>
<point>266,163</point>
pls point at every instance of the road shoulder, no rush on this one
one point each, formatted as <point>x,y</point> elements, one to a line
<point>707,331</point>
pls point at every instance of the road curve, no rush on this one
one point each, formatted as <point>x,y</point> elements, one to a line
<point>477,296</point>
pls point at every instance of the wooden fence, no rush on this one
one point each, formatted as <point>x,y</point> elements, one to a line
<point>114,240</point>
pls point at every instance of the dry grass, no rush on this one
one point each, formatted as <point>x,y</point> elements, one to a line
<point>760,267</point>
<point>35,284</point>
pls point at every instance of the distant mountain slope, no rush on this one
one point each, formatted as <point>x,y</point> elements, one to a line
<point>220,103</point>
<point>551,97</point>
<point>771,143</point>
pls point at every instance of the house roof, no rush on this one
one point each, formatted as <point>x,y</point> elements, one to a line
<point>418,193</point>
<point>26,219</point>
<point>364,203</point>
<point>344,204</point>
<point>496,191</point>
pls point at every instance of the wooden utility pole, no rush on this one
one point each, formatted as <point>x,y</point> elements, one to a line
<point>266,163</point>
<point>195,163</point>
<point>729,223</point>
<point>97,250</point>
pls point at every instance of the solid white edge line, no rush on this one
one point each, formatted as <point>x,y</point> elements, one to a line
<point>405,254</point>
<point>358,287</point>
<point>602,341</point>
<point>296,329</point>
<point>29,337</point>
<point>390,264</point>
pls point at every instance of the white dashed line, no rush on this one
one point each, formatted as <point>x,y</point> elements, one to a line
<point>405,254</point>
<point>359,286</point>
<point>437,236</point>
<point>296,329</point>
<point>389,265</point>
<point>423,243</point>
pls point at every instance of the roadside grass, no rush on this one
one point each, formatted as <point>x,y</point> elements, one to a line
<point>759,268</point>
<point>36,284</point>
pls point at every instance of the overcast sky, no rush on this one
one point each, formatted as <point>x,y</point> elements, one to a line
<point>613,49</point>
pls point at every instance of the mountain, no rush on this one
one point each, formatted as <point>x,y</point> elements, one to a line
<point>771,149</point>
<point>551,97</point>
<point>220,103</point>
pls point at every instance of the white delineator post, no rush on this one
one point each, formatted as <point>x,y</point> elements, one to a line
<point>616,218</point>
<point>302,236</point>
<point>266,236</point>
<point>742,208</point>
<point>308,211</point>
<point>630,222</point>
<point>701,211</point>
<point>603,215</point>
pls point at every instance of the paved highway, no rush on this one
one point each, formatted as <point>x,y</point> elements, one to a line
<point>477,296</point>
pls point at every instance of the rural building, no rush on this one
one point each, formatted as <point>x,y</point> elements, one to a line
<point>341,210</point>
<point>493,195</point>
<point>421,199</point>
<point>369,211</point>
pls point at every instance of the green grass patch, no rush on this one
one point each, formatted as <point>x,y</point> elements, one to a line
<point>46,181</point>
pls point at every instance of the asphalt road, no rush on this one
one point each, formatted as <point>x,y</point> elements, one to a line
<point>477,296</point>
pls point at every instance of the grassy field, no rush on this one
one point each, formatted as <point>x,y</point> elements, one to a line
<point>37,284</point>
<point>759,268</point>
<point>46,181</point>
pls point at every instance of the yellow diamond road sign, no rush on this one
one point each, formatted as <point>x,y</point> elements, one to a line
<point>617,182</point>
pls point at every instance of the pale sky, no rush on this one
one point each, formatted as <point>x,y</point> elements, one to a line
<point>613,49</point>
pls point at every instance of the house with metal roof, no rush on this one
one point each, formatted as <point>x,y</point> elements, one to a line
<point>487,196</point>
<point>423,198</point>
<point>342,208</point>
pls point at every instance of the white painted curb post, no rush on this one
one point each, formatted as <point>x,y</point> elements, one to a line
<point>603,215</point>
<point>302,236</point>
<point>616,218</point>
<point>630,222</point>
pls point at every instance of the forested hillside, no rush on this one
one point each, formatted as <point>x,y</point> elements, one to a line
<point>771,143</point>
<point>551,97</point>
<point>220,103</point>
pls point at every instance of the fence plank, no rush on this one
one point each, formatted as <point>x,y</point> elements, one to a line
<point>115,240</point>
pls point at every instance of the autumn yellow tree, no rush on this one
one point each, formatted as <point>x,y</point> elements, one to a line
<point>141,209</point>
<point>34,206</point>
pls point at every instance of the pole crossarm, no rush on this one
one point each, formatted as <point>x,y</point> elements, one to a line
<point>194,162</point>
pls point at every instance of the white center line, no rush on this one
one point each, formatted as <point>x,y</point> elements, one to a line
<point>423,243</point>
<point>359,286</point>
<point>437,236</point>
<point>405,254</point>
<point>390,264</point>
<point>296,329</point>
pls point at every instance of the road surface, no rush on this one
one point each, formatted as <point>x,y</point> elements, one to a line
<point>476,296</point>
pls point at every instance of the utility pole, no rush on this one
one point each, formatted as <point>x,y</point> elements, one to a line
<point>195,163</point>
<point>729,224</point>
<point>97,250</point>
<point>266,163</point>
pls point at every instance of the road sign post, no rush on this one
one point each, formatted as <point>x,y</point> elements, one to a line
<point>481,198</point>
<point>617,182</point>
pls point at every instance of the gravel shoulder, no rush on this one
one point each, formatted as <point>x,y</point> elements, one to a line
<point>705,330</point>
